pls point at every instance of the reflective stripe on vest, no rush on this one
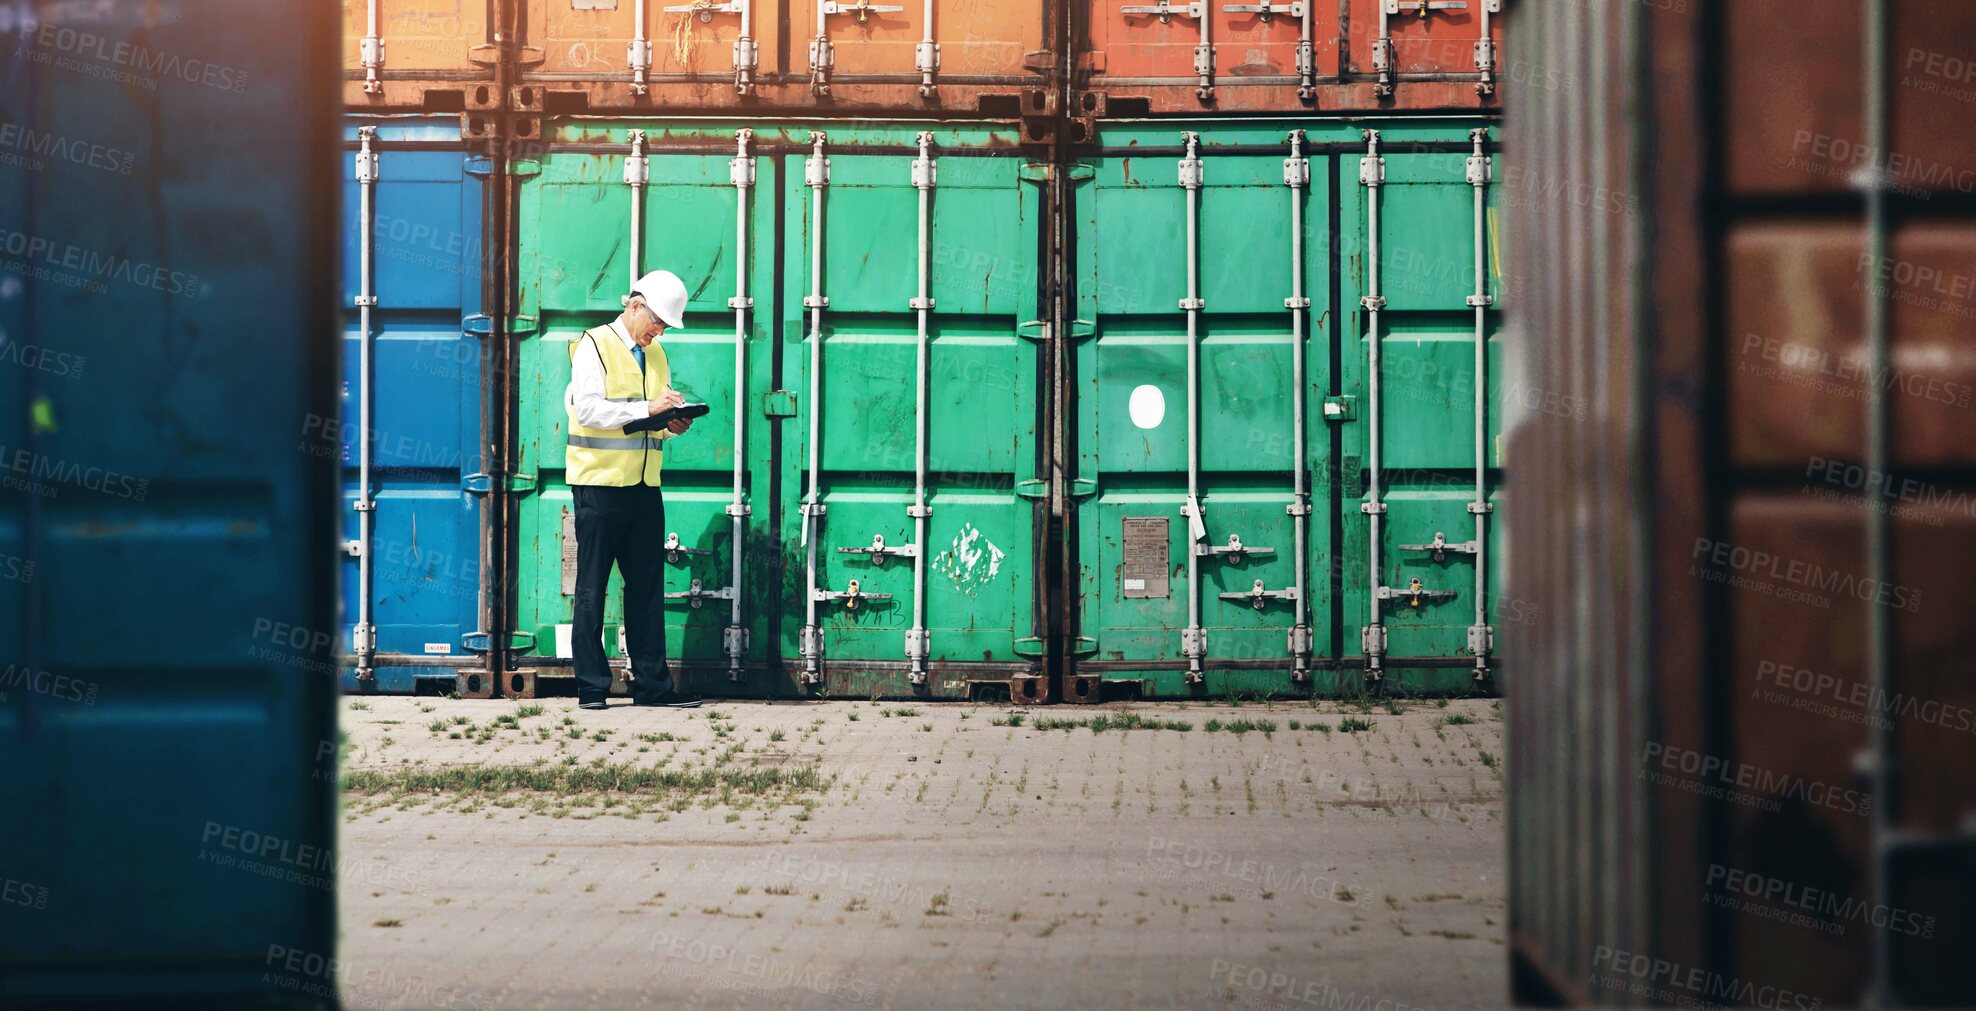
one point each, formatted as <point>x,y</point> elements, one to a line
<point>607,456</point>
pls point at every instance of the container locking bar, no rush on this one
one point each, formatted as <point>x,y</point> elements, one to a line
<point>926,56</point>
<point>638,52</point>
<point>1296,176</point>
<point>1193,638</point>
<point>741,172</point>
<point>924,177</point>
<point>1481,638</point>
<point>370,51</point>
<point>1485,50</point>
<point>1166,11</point>
<point>850,596</point>
<point>816,173</point>
<point>1372,175</point>
<point>637,172</point>
<point>747,54</point>
<point>365,634</point>
<point>1414,595</point>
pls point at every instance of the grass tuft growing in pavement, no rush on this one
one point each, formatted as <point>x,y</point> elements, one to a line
<point>770,782</point>
<point>1353,725</point>
<point>1100,724</point>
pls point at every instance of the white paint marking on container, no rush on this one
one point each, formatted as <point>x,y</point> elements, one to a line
<point>1147,406</point>
<point>962,561</point>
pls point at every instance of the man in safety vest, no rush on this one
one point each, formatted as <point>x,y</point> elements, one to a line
<point>618,375</point>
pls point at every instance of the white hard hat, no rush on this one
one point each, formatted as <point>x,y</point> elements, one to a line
<point>666,294</point>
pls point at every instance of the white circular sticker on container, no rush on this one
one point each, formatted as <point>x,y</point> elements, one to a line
<point>1147,406</point>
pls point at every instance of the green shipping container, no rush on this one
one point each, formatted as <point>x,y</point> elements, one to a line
<point>920,566</point>
<point>1189,275</point>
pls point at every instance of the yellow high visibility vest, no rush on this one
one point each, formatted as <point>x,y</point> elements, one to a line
<point>607,456</point>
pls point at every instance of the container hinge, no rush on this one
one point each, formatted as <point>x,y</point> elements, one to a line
<point>1234,551</point>
<point>1340,408</point>
<point>1036,172</point>
<point>1029,646</point>
<point>1036,489</point>
<point>482,325</point>
<point>1082,171</point>
<point>1440,547</point>
<point>482,484</point>
<point>1082,487</point>
<point>779,404</point>
<point>1082,328</point>
<point>1258,597</point>
<point>1081,645</point>
<point>483,166</point>
<point>1035,329</point>
<point>878,550</point>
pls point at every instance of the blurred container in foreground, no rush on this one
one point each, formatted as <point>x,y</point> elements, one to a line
<point>1739,742</point>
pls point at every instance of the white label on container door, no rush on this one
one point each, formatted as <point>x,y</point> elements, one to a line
<point>439,648</point>
<point>562,642</point>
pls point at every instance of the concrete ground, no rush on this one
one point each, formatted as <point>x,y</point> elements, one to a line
<point>919,855</point>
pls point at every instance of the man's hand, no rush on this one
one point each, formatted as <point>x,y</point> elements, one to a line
<point>678,426</point>
<point>671,398</point>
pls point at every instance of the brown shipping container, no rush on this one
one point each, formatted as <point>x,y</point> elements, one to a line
<point>1740,736</point>
<point>981,56</point>
<point>1133,59</point>
<point>435,55</point>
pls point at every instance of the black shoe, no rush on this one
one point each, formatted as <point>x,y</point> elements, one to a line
<point>592,705</point>
<point>671,700</point>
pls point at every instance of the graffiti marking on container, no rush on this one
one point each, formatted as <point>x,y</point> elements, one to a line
<point>963,562</point>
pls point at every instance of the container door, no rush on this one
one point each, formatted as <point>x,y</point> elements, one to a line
<point>977,560</point>
<point>981,41</point>
<point>574,261</point>
<point>1132,539</point>
<point>167,669</point>
<point>426,382</point>
<point>589,40</point>
<point>1426,409</point>
<point>1428,39</point>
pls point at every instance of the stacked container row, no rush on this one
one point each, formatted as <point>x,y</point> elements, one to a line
<point>1030,59</point>
<point>939,477</point>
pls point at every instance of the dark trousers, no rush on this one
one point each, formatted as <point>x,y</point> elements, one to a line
<point>625,527</point>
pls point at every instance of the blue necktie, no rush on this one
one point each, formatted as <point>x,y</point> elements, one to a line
<point>638,354</point>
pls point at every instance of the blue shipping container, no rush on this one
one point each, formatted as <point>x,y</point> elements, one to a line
<point>427,240</point>
<point>167,658</point>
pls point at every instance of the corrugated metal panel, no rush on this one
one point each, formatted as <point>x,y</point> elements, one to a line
<point>1131,214</point>
<point>1773,603</point>
<point>170,661</point>
<point>396,51</point>
<point>428,373</point>
<point>1157,56</point>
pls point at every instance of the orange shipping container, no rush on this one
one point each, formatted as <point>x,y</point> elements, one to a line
<point>978,56</point>
<point>397,52</point>
<point>1272,55</point>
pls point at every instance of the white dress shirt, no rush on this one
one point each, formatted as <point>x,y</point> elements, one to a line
<point>585,397</point>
